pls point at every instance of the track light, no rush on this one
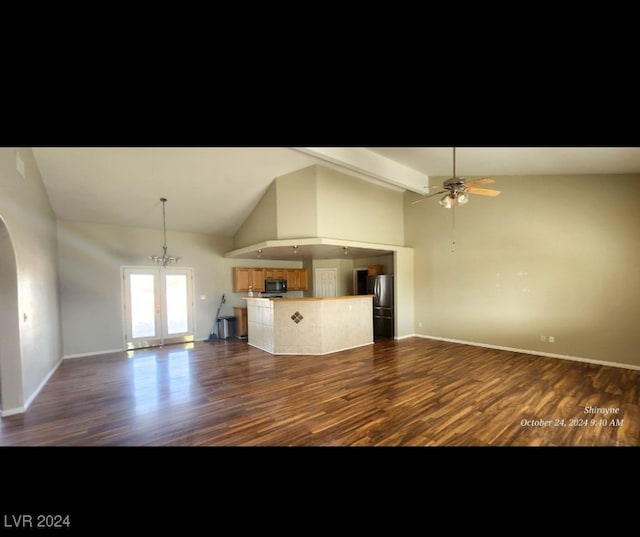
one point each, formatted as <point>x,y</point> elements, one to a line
<point>345,249</point>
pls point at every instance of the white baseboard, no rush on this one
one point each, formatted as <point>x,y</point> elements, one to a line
<point>41,385</point>
<point>347,348</point>
<point>12,411</point>
<point>87,354</point>
<point>406,337</point>
<point>22,409</point>
<point>537,353</point>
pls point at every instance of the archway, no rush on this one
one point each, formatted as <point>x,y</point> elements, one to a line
<point>11,400</point>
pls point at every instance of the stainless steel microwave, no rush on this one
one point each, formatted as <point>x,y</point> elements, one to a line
<point>275,286</point>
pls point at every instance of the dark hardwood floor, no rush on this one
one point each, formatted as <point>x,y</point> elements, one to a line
<point>413,392</point>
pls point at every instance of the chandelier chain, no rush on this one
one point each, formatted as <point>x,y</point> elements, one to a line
<point>164,259</point>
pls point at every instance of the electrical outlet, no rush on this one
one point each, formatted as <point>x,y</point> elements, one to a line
<point>552,339</point>
<point>203,297</point>
<point>419,324</point>
<point>543,338</point>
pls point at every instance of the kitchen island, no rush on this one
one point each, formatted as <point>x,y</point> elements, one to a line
<point>309,325</point>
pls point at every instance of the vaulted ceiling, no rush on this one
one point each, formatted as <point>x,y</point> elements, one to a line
<point>213,189</point>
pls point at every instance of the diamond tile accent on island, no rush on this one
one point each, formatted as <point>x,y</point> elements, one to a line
<point>329,324</point>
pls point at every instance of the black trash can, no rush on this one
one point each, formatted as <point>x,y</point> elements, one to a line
<point>226,327</point>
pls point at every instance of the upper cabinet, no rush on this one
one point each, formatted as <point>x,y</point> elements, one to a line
<point>297,279</point>
<point>248,277</point>
<point>274,273</point>
<point>254,277</point>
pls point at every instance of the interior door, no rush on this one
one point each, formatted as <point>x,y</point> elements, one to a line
<point>158,306</point>
<point>326,282</point>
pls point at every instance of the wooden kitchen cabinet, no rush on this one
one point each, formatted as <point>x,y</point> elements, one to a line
<point>242,327</point>
<point>303,279</point>
<point>243,277</point>
<point>297,279</point>
<point>246,277</point>
<point>374,270</point>
<point>274,273</point>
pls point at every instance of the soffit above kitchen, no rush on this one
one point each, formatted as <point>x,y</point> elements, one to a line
<point>310,248</point>
<point>321,213</point>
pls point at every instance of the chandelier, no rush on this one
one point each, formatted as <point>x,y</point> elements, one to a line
<point>164,259</point>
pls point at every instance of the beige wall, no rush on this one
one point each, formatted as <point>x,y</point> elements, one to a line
<point>261,224</point>
<point>91,257</point>
<point>352,209</point>
<point>554,256</point>
<point>29,219</point>
<point>10,364</point>
<point>297,205</point>
<point>91,260</point>
<point>321,202</point>
<point>403,281</point>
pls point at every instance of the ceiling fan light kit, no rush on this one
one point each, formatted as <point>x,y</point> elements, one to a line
<point>456,190</point>
<point>447,201</point>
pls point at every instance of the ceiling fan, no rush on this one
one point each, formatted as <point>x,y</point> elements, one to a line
<point>457,189</point>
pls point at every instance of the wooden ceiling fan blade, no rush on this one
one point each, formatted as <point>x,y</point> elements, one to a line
<point>428,196</point>
<point>483,191</point>
<point>482,181</point>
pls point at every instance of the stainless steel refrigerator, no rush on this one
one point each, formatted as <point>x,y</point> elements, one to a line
<point>382,288</point>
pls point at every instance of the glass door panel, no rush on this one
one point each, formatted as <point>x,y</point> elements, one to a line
<point>143,306</point>
<point>158,306</point>
<point>178,299</point>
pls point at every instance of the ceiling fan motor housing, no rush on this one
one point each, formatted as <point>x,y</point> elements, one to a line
<point>457,190</point>
<point>454,181</point>
<point>455,185</point>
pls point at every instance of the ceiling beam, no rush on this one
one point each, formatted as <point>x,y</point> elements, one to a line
<point>368,163</point>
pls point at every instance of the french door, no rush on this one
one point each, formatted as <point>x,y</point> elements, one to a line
<point>158,306</point>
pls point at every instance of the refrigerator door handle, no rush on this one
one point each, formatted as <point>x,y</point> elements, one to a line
<point>376,291</point>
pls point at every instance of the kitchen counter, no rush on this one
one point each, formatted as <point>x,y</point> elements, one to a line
<point>309,325</point>
<point>345,297</point>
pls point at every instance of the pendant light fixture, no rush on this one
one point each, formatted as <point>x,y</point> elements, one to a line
<point>164,259</point>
